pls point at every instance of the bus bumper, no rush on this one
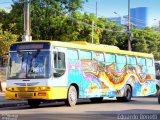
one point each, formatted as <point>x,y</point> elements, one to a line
<point>53,93</point>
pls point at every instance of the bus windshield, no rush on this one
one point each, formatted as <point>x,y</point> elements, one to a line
<point>29,64</point>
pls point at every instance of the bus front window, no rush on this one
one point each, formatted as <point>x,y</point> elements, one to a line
<point>30,64</point>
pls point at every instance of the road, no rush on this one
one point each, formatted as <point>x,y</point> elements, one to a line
<point>138,108</point>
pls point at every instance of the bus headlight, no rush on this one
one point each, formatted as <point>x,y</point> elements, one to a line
<point>10,89</point>
<point>44,88</point>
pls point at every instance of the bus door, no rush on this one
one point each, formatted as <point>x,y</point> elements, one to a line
<point>59,68</point>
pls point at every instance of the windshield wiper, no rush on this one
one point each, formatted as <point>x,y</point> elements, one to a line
<point>35,56</point>
<point>20,53</point>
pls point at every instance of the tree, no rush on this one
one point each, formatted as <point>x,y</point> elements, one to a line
<point>111,34</point>
<point>2,14</point>
<point>60,20</point>
<point>146,41</point>
<point>14,18</point>
<point>42,15</point>
<point>6,39</point>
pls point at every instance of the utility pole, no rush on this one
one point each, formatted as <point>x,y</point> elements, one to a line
<point>26,36</point>
<point>92,32</point>
<point>129,28</point>
<point>96,8</point>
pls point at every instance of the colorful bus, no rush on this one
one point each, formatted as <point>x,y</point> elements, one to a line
<point>52,70</point>
<point>157,68</point>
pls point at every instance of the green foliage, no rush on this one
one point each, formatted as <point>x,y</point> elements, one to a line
<point>110,36</point>
<point>2,15</point>
<point>6,39</point>
<point>15,17</point>
<point>146,41</point>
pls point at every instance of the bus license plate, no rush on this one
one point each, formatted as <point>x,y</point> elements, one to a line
<point>25,95</point>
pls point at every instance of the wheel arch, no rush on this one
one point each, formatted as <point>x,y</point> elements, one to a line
<point>125,89</point>
<point>130,86</point>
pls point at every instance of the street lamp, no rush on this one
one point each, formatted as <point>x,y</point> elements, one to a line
<point>155,21</point>
<point>119,18</point>
<point>116,13</point>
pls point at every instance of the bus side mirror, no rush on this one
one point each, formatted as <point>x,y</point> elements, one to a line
<point>57,73</point>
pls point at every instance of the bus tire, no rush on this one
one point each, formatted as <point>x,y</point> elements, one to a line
<point>96,100</point>
<point>120,99</point>
<point>34,103</point>
<point>159,96</point>
<point>72,96</point>
<point>127,95</point>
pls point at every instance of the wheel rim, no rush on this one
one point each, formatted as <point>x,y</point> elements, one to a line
<point>128,94</point>
<point>72,95</point>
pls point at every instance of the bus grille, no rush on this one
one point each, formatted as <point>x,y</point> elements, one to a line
<point>24,89</point>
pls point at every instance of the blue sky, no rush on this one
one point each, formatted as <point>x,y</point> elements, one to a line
<point>5,3</point>
<point>106,8</point>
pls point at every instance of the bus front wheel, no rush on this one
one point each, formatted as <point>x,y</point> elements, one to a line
<point>34,103</point>
<point>71,96</point>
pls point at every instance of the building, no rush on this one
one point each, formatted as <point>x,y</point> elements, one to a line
<point>139,17</point>
<point>118,20</point>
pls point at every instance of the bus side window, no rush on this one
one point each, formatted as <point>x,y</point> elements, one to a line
<point>98,56</point>
<point>85,55</point>
<point>141,64</point>
<point>131,60</point>
<point>59,64</point>
<point>72,56</point>
<point>150,66</point>
<point>149,62</point>
<point>121,62</point>
<point>86,60</point>
<point>110,58</point>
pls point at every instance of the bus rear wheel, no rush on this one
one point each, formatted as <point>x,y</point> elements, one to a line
<point>96,100</point>
<point>127,95</point>
<point>71,96</point>
<point>34,103</point>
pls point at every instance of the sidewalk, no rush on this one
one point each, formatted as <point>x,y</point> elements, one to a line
<point>10,103</point>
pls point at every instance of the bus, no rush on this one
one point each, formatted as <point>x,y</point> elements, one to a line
<point>41,71</point>
<point>157,68</point>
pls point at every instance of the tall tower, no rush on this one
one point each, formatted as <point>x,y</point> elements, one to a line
<point>139,17</point>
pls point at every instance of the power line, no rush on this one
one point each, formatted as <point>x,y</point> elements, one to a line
<point>86,24</point>
<point>135,19</point>
<point>74,19</point>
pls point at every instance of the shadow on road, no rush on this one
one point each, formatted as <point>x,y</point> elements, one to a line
<point>85,102</point>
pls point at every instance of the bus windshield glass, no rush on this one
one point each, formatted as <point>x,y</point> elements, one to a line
<point>29,64</point>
